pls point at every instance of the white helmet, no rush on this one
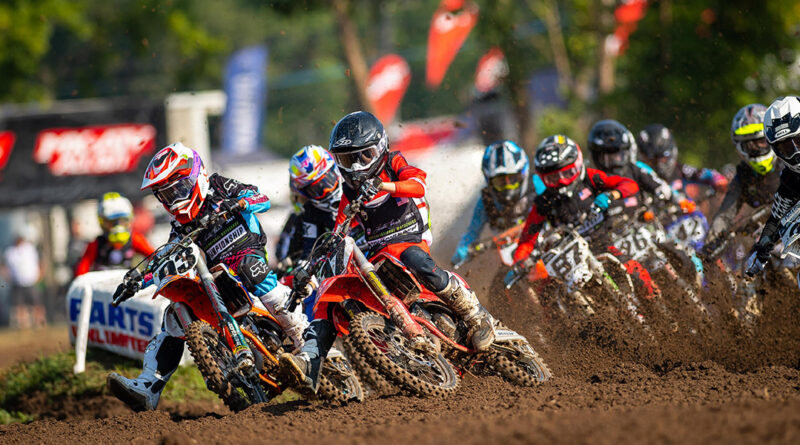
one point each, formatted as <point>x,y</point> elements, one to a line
<point>114,206</point>
<point>782,129</point>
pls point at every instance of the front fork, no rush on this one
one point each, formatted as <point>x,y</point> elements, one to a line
<point>233,334</point>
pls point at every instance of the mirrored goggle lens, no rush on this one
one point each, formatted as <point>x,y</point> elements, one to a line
<point>506,182</point>
<point>177,191</point>
<point>756,147</point>
<point>358,159</point>
<point>787,148</point>
<point>617,158</point>
<point>323,186</point>
<point>561,177</point>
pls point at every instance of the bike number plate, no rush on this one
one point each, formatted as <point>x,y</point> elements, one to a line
<point>568,263</point>
<point>689,229</point>
<point>178,264</point>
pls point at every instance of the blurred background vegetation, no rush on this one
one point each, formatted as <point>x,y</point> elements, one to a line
<point>690,64</point>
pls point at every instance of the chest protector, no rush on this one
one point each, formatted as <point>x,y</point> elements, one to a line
<point>504,217</point>
<point>758,190</point>
<point>389,220</point>
<point>110,257</point>
<point>561,208</point>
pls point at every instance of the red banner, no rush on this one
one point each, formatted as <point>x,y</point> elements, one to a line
<point>96,150</point>
<point>450,26</point>
<point>7,139</point>
<point>627,16</point>
<point>388,81</point>
<point>491,69</point>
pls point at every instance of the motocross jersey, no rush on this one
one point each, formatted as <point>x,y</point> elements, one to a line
<point>290,241</point>
<point>240,233</point>
<point>397,218</point>
<point>315,222</point>
<point>498,216</point>
<point>746,187</point>
<point>560,209</point>
<point>101,254</point>
<point>684,175</point>
<point>786,197</point>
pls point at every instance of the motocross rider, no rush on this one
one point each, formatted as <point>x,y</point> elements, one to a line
<point>658,149</point>
<point>507,197</point>
<point>782,129</point>
<point>290,242</point>
<point>613,149</point>
<point>573,190</point>
<point>178,179</point>
<point>757,175</point>
<point>117,245</point>
<point>395,220</point>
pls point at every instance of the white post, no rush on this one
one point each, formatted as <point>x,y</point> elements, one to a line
<point>82,334</point>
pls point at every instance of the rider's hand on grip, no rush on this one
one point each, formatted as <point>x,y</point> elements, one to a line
<point>233,205</point>
<point>754,264</point>
<point>370,188</point>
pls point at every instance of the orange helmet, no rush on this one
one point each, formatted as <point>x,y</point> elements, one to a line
<point>178,178</point>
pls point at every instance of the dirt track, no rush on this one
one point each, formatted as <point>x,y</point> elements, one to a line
<point>729,386</point>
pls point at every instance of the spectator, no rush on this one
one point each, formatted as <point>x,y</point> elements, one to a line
<point>22,261</point>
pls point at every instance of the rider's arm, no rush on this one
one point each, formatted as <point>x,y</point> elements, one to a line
<point>786,197</point>
<point>255,201</point>
<point>475,225</point>
<point>340,216</point>
<point>87,260</point>
<point>650,182</point>
<point>140,244</point>
<point>727,211</point>
<point>705,176</point>
<point>533,223</point>
<point>411,183</point>
<point>605,182</point>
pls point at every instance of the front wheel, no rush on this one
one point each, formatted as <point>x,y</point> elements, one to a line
<point>385,347</point>
<point>525,369</point>
<point>338,381</point>
<point>218,366</point>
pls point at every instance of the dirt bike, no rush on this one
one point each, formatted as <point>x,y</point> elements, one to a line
<point>564,256</point>
<point>234,342</point>
<point>505,243</point>
<point>393,325</point>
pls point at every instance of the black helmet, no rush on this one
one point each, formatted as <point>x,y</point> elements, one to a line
<point>658,149</point>
<point>612,145</point>
<point>782,128</point>
<point>360,147</point>
<point>559,162</point>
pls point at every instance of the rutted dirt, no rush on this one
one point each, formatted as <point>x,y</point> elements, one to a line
<point>700,384</point>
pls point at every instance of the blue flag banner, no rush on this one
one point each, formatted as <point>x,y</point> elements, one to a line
<point>246,89</point>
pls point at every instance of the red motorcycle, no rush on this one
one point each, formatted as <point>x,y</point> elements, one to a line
<point>393,325</point>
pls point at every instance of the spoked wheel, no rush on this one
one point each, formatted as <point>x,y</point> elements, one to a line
<point>339,382</point>
<point>218,366</point>
<point>522,367</point>
<point>382,344</point>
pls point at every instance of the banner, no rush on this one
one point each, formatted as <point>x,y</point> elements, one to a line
<point>627,16</point>
<point>450,26</point>
<point>491,69</point>
<point>246,90</point>
<point>76,150</point>
<point>388,81</point>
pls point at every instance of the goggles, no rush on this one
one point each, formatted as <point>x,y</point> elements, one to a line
<point>357,160</point>
<point>323,186</point>
<point>506,182</point>
<point>179,190</point>
<point>109,224</point>
<point>754,147</point>
<point>565,176</point>
<point>613,159</point>
<point>787,148</point>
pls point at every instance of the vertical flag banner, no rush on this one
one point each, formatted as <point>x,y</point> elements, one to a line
<point>388,81</point>
<point>450,26</point>
<point>7,139</point>
<point>246,89</point>
<point>491,69</point>
<point>627,16</point>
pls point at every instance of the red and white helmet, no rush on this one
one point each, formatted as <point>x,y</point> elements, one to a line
<point>179,180</point>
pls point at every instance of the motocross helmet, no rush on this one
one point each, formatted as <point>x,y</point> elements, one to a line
<point>559,162</point>
<point>314,175</point>
<point>658,149</point>
<point>782,128</point>
<point>747,133</point>
<point>506,169</point>
<point>178,179</point>
<point>115,213</point>
<point>360,146</point>
<point>612,146</point>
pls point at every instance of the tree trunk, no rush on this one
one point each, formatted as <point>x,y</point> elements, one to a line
<point>555,36</point>
<point>351,45</point>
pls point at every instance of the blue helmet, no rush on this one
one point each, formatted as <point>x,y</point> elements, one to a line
<point>506,169</point>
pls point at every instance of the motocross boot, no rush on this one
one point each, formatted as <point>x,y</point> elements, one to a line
<point>161,359</point>
<point>306,366</point>
<point>293,323</point>
<point>465,304</point>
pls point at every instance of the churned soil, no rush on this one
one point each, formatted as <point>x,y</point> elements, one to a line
<point>684,381</point>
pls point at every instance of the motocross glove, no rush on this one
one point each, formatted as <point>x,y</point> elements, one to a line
<point>124,291</point>
<point>460,255</point>
<point>603,200</point>
<point>516,270</point>
<point>232,205</point>
<point>663,192</point>
<point>370,188</point>
<point>755,264</point>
